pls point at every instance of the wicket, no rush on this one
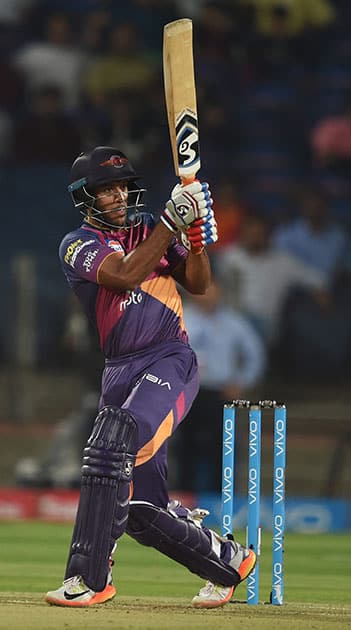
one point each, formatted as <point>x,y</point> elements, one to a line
<point>254,488</point>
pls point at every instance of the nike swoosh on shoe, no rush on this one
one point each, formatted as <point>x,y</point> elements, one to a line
<point>71,596</point>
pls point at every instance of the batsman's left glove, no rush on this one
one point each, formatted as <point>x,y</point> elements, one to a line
<point>202,232</point>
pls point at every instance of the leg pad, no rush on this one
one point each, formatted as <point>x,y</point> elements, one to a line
<point>102,515</point>
<point>181,540</point>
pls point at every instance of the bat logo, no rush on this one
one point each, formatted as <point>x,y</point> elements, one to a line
<point>187,136</point>
<point>188,148</point>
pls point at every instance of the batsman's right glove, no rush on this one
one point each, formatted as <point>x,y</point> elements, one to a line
<point>187,203</point>
<point>201,232</point>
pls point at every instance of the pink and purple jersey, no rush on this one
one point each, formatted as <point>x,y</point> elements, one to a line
<point>128,321</point>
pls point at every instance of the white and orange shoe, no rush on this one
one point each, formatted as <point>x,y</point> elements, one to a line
<point>215,595</point>
<point>75,593</point>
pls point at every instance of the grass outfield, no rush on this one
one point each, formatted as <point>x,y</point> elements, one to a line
<point>154,592</point>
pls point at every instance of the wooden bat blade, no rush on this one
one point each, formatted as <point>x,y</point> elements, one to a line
<point>180,95</point>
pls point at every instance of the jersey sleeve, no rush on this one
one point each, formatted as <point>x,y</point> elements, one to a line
<point>82,254</point>
<point>175,254</point>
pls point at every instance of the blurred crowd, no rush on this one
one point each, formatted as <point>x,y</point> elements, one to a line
<point>273,81</point>
<point>274,103</point>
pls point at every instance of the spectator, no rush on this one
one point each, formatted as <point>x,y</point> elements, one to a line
<point>123,66</point>
<point>46,133</point>
<point>316,337</point>
<point>55,60</point>
<point>258,277</point>
<point>300,14</point>
<point>231,358</point>
<point>331,141</point>
<point>94,28</point>
<point>315,344</point>
<point>314,238</point>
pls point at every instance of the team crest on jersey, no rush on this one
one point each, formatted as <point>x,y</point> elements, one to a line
<point>116,161</point>
<point>115,245</point>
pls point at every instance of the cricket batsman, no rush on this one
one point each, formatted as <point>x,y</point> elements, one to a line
<point>123,266</point>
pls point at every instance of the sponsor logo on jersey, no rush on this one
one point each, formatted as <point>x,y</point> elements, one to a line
<point>73,250</point>
<point>157,380</point>
<point>134,298</point>
<point>115,245</point>
<point>89,259</point>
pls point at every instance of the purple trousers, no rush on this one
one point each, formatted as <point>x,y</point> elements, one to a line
<point>158,387</point>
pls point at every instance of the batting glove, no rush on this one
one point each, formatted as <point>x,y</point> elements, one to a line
<point>201,233</point>
<point>187,203</point>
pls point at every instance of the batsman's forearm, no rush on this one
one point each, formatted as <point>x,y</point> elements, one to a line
<point>127,273</point>
<point>197,276</point>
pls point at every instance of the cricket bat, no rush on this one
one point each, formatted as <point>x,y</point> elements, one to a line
<point>180,96</point>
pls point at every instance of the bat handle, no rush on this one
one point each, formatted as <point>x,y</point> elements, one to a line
<point>187,180</point>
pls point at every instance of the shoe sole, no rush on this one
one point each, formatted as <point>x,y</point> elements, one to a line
<point>214,603</point>
<point>246,567</point>
<point>99,598</point>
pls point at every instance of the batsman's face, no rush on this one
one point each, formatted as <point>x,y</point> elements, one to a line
<point>112,200</point>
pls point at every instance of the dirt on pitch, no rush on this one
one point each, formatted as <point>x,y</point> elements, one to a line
<point>29,611</point>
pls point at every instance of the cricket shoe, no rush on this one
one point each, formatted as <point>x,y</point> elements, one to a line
<point>215,595</point>
<point>75,593</point>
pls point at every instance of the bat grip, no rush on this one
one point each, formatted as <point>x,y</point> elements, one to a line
<point>184,182</point>
<point>187,180</point>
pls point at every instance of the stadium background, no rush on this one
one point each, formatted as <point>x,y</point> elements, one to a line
<point>81,72</point>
